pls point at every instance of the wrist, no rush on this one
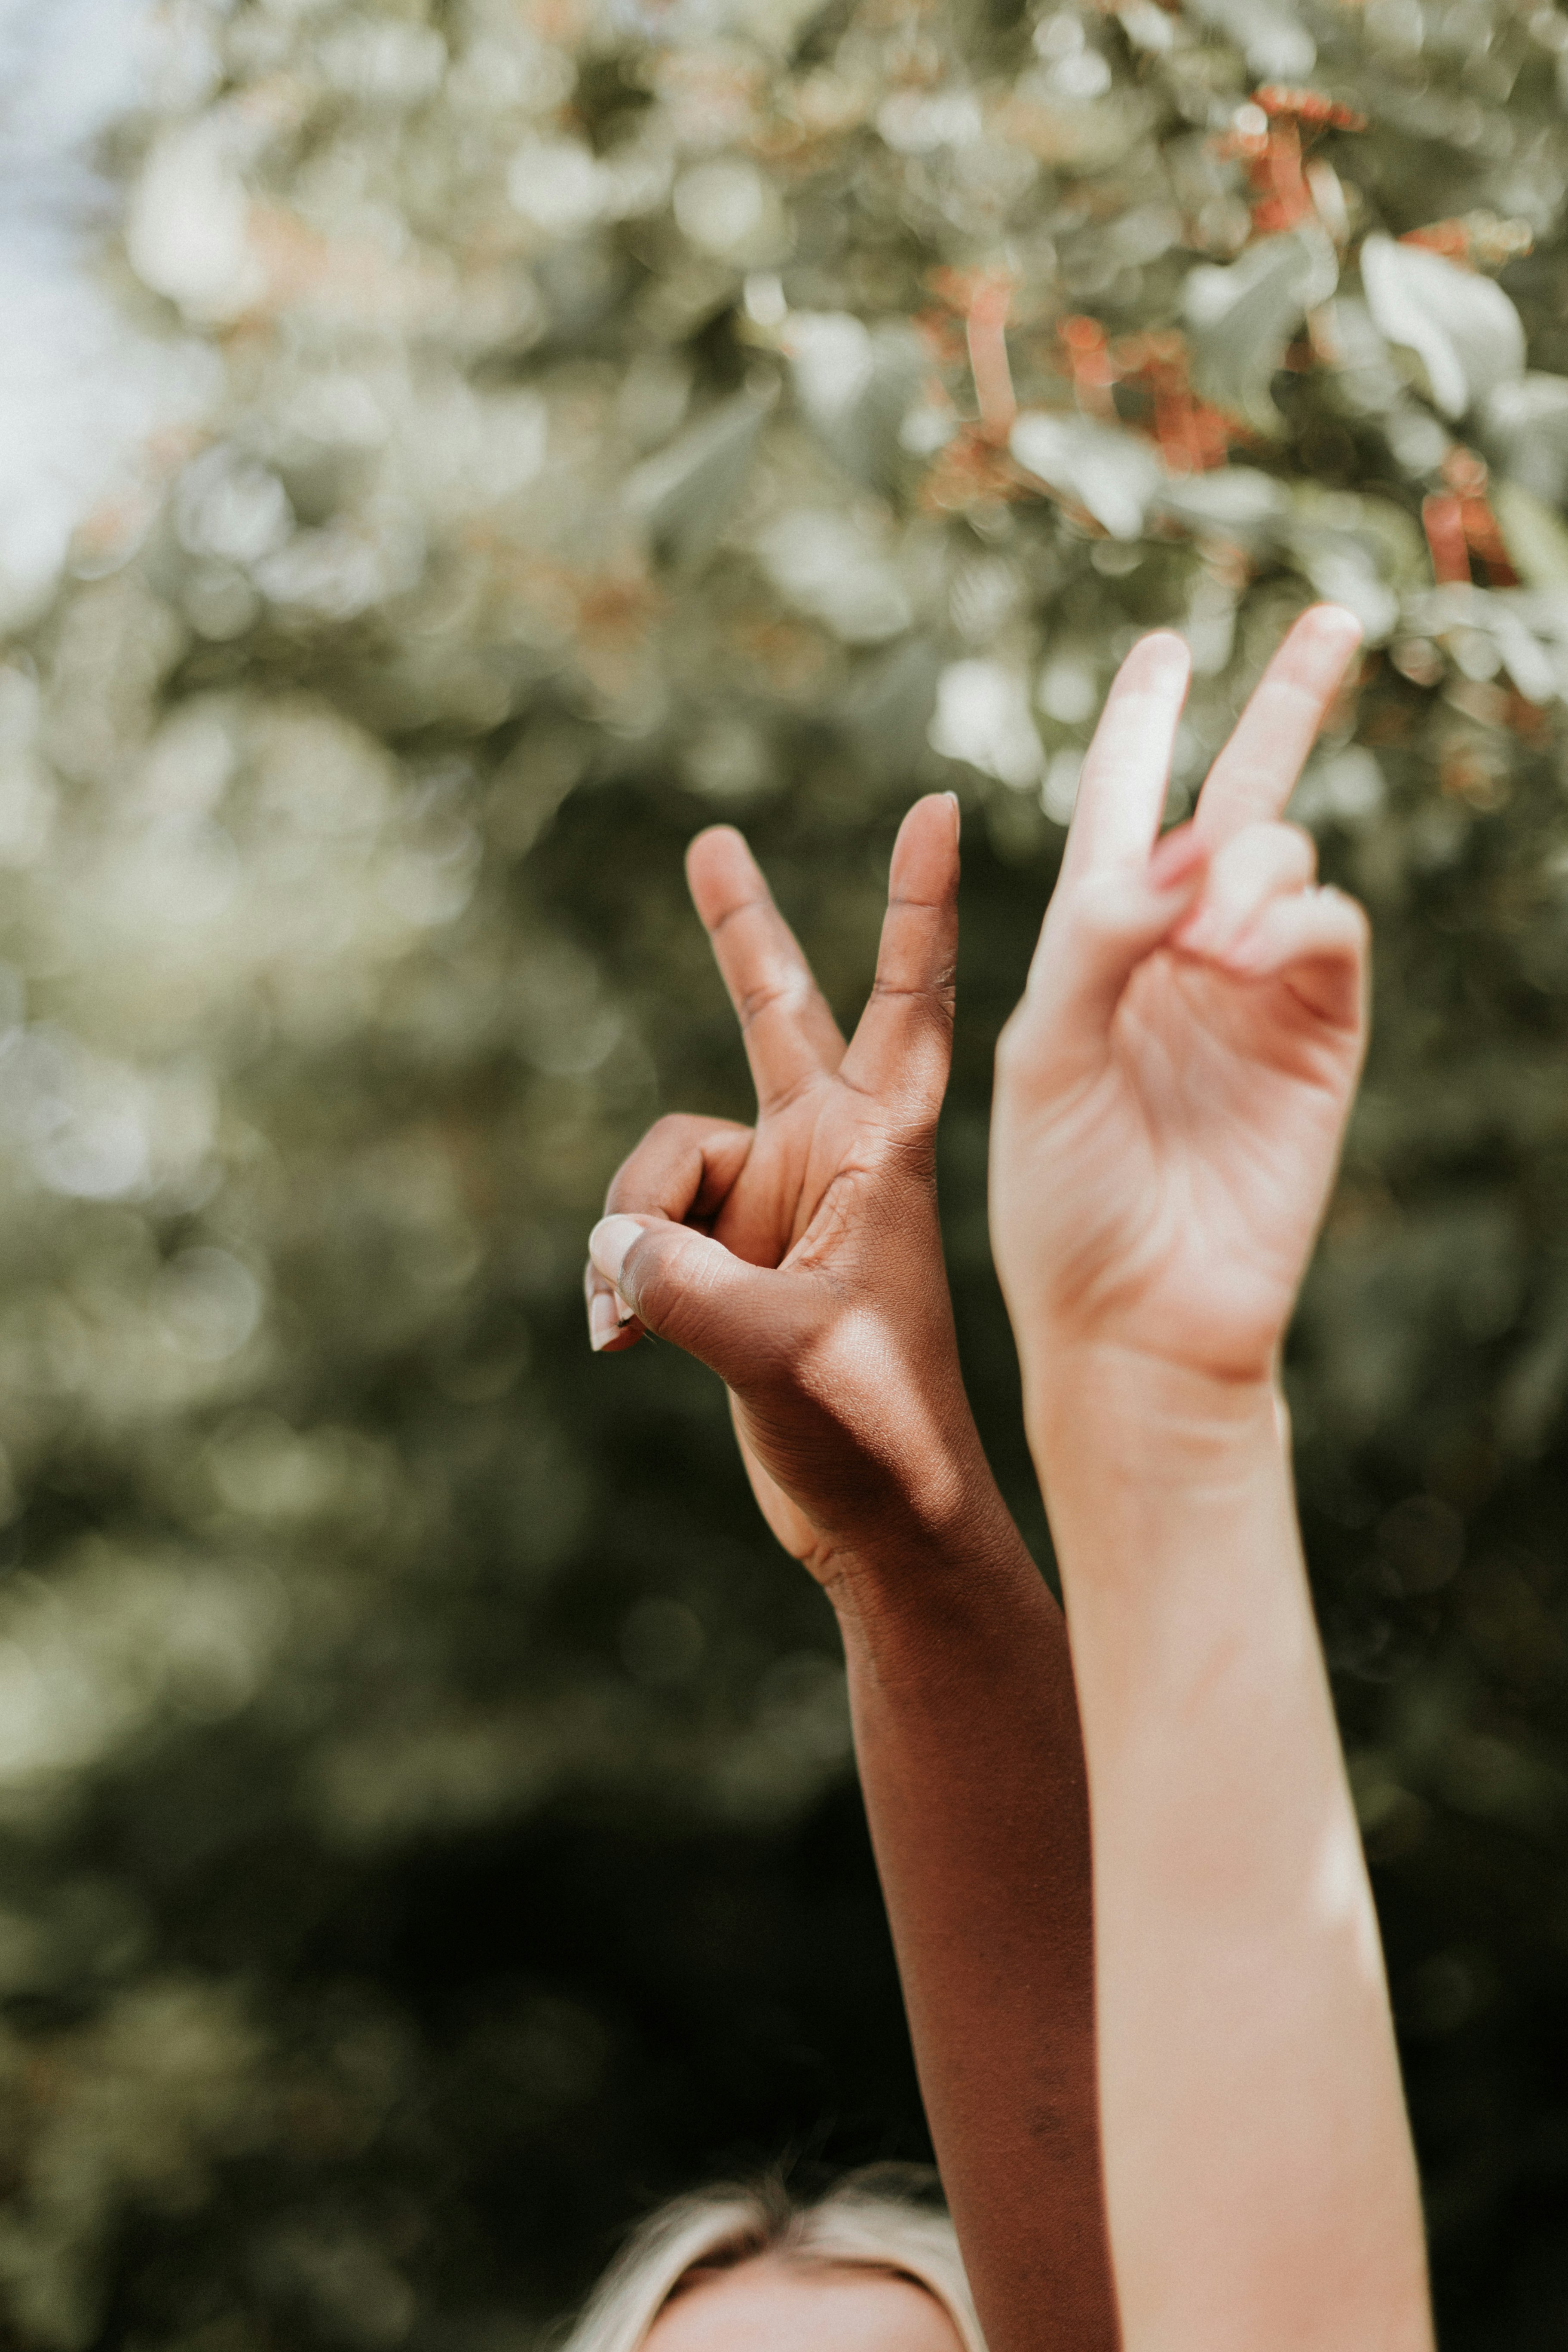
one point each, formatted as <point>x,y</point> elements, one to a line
<point>1170,1496</point>
<point>925,1562</point>
<point>1157,1417</point>
<point>974,1604</point>
<point>899,1473</point>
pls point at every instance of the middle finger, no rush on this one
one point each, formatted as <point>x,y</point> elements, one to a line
<point>1255,774</point>
<point>790,1034</point>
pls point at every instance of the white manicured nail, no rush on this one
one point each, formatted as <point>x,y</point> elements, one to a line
<point>608,1243</point>
<point>603,1319</point>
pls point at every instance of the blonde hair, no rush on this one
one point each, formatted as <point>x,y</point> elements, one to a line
<point>873,2220</point>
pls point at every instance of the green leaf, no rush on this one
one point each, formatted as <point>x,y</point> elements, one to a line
<point>1269,35</point>
<point>1234,502</point>
<point>1241,319</point>
<point>1362,553</point>
<point>856,385</point>
<point>686,494</point>
<point>1460,334</point>
<point>1111,472</point>
<point>822,563</point>
<point>1520,626</point>
<point>1536,538</point>
<point>1524,430</point>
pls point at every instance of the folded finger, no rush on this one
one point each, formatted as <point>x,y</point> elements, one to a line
<point>1122,792</point>
<point>1316,942</point>
<point>1255,774</point>
<point>790,1033</point>
<point>682,1169</point>
<point>904,1041</point>
<point>1260,863</point>
<point>1097,937</point>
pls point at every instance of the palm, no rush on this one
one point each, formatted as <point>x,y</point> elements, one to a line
<point>1203,1158</point>
<point>1184,1129</point>
<point>798,1157</point>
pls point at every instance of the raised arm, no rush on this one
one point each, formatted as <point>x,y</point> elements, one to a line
<point>801,1260</point>
<point>1171,1097</point>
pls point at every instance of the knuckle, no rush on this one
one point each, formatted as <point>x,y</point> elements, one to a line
<point>1101,909</point>
<point>666,1161</point>
<point>673,1137</point>
<point>1299,846</point>
<point>776,994</point>
<point>933,996</point>
<point>626,1190</point>
<point>1357,923</point>
<point>630,1180</point>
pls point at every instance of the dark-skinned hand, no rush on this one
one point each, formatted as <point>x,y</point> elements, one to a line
<point>800,1257</point>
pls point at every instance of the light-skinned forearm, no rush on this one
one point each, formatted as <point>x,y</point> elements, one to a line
<point>1259,2178</point>
<point>967,1739</point>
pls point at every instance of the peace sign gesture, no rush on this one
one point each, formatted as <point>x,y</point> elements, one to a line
<point>1173,1088</point>
<point>800,1257</point>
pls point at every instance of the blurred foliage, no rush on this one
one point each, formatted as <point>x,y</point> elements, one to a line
<point>428,1815</point>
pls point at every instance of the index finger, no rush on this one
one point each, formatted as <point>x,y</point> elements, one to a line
<point>1123,791</point>
<point>790,1034</point>
<point>1255,774</point>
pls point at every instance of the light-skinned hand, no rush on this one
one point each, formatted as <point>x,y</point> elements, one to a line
<point>1172,1091</point>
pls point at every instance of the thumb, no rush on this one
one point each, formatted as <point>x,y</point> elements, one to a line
<point>685,1288</point>
<point>1101,929</point>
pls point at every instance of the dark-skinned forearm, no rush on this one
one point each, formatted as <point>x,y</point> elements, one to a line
<point>967,1736</point>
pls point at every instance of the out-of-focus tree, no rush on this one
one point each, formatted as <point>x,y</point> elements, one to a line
<point>425,1801</point>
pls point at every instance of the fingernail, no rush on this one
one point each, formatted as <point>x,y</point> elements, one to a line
<point>957,812</point>
<point>608,1243</point>
<point>1177,858</point>
<point>603,1319</point>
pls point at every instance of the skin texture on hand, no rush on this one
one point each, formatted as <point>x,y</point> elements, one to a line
<point>801,1260</point>
<point>1171,1097</point>
<point>801,1257</point>
<point>1176,1078</point>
